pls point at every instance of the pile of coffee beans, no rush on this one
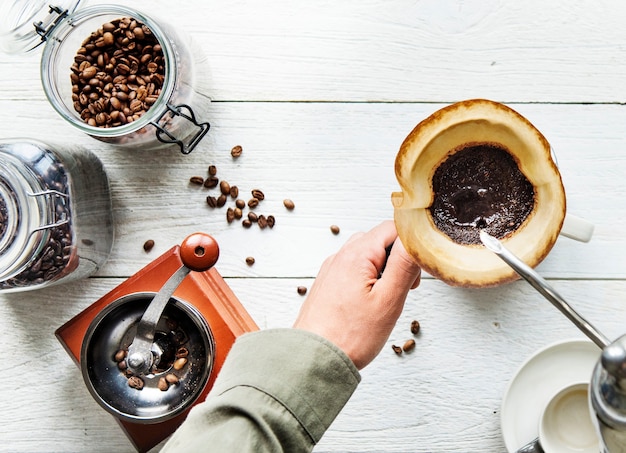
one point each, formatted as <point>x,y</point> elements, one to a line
<point>117,74</point>
<point>172,367</point>
<point>409,344</point>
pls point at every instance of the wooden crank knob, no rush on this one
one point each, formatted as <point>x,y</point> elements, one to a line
<point>199,252</point>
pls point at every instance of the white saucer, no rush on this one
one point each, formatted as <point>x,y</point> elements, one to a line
<point>538,379</point>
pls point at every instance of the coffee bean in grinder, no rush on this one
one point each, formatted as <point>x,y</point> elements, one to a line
<point>55,215</point>
<point>151,348</point>
<point>114,73</point>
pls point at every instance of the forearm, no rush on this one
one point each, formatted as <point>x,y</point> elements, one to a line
<point>279,390</point>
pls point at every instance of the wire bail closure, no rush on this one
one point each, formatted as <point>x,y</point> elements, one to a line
<point>164,136</point>
<point>57,222</point>
<point>44,32</point>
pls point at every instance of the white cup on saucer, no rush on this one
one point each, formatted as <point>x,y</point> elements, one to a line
<point>566,425</point>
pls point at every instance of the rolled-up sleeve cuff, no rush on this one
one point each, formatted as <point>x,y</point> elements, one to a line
<point>311,377</point>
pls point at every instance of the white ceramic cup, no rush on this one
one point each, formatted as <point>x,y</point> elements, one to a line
<point>566,425</point>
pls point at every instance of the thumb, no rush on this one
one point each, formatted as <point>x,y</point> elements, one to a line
<point>401,271</point>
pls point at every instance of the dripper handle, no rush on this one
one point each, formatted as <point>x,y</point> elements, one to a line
<point>199,252</point>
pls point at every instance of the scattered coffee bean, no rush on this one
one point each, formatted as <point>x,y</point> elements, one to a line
<point>238,213</point>
<point>236,151</point>
<point>250,260</point>
<point>148,245</point>
<point>196,180</point>
<point>396,349</point>
<point>211,201</point>
<point>117,74</point>
<point>259,195</point>
<point>252,216</point>
<point>221,200</point>
<point>122,365</point>
<point>262,221</point>
<point>415,327</point>
<point>246,223</point>
<point>171,378</point>
<point>211,182</point>
<point>212,170</point>
<point>180,363</point>
<point>302,290</point>
<point>240,203</point>
<point>408,345</point>
<point>289,204</point>
<point>334,229</point>
<point>230,215</point>
<point>234,191</point>
<point>135,382</point>
<point>182,352</point>
<point>271,221</point>
<point>225,187</point>
<point>163,385</point>
<point>253,203</point>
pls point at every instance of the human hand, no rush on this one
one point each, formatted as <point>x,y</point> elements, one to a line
<point>349,304</point>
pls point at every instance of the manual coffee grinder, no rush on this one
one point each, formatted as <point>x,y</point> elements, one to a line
<point>151,348</point>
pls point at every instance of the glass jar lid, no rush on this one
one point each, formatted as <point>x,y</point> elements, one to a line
<point>25,24</point>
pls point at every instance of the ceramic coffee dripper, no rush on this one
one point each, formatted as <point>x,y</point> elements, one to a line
<point>431,142</point>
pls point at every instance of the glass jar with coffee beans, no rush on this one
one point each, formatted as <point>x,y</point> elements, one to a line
<point>114,73</point>
<point>55,215</point>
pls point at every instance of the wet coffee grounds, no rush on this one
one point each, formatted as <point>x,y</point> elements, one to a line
<point>480,187</point>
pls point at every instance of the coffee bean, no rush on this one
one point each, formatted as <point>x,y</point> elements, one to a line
<point>334,229</point>
<point>396,349</point>
<point>212,170</point>
<point>238,213</point>
<point>252,216</point>
<point>253,203</point>
<point>196,180</point>
<point>230,215</point>
<point>408,345</point>
<point>171,378</point>
<point>119,355</point>
<point>246,223</point>
<point>236,151</point>
<point>289,204</point>
<point>271,221</point>
<point>259,195</point>
<point>225,188</point>
<point>250,261</point>
<point>234,191</point>
<point>302,290</point>
<point>262,221</point>
<point>240,203</point>
<point>148,245</point>
<point>415,327</point>
<point>221,200</point>
<point>182,352</point>
<point>163,385</point>
<point>180,363</point>
<point>122,365</point>
<point>211,182</point>
<point>135,382</point>
<point>211,201</point>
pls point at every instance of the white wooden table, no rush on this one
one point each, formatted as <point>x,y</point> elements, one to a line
<point>320,95</point>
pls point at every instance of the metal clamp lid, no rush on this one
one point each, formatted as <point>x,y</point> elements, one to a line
<point>26,24</point>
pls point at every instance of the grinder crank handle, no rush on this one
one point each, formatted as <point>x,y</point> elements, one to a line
<point>198,252</point>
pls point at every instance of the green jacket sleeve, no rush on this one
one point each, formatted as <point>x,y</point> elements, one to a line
<point>278,390</point>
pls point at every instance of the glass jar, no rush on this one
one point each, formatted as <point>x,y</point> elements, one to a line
<point>169,109</point>
<point>56,222</point>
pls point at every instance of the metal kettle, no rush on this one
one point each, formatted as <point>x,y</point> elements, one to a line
<point>607,395</point>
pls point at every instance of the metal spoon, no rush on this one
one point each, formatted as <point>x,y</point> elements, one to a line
<point>541,285</point>
<point>198,252</point>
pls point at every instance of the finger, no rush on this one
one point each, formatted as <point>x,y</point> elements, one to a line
<point>401,271</point>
